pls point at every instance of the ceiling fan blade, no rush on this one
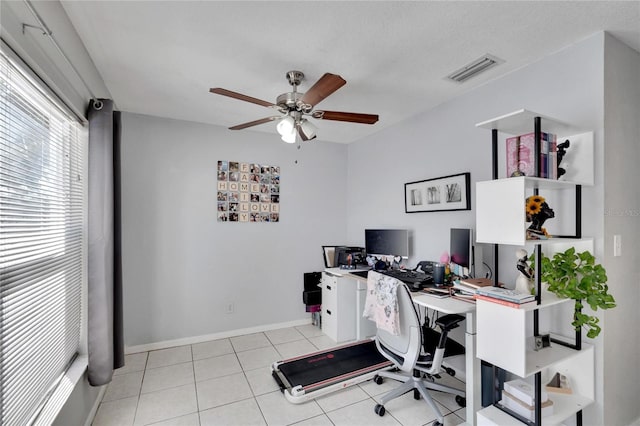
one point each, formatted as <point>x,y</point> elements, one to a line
<point>352,117</point>
<point>326,85</point>
<point>240,96</point>
<point>253,123</point>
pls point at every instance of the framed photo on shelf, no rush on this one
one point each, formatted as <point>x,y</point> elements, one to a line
<point>438,194</point>
<point>329,253</point>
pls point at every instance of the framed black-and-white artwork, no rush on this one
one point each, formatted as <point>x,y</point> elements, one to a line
<point>438,194</point>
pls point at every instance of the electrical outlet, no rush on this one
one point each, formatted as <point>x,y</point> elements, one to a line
<point>229,308</point>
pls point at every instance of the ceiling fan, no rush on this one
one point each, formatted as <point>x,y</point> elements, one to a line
<point>294,106</point>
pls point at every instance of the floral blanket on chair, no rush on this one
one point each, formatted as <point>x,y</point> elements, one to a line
<point>381,304</point>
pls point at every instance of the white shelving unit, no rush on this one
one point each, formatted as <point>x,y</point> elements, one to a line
<point>504,334</point>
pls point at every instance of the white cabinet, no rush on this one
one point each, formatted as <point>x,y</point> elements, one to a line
<point>506,340</point>
<point>338,307</point>
<point>505,334</point>
<point>343,299</point>
<point>500,214</point>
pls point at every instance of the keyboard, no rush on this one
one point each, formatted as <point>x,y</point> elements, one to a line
<point>410,277</point>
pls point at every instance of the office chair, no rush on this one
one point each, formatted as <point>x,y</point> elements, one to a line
<point>417,372</point>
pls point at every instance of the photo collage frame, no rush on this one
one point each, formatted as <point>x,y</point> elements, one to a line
<point>248,192</point>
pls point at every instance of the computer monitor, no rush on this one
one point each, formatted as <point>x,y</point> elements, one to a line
<point>351,256</point>
<point>461,248</point>
<point>387,242</point>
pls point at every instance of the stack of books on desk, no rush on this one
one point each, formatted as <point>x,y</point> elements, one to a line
<point>504,296</point>
<point>463,292</point>
<point>470,286</point>
<point>519,397</point>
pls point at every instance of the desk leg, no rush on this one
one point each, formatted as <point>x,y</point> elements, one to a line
<point>472,368</point>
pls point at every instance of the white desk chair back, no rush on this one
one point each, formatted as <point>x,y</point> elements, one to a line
<point>402,345</point>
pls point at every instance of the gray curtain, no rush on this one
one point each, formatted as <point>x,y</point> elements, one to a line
<point>106,342</point>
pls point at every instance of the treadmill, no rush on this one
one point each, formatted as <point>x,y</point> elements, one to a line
<point>310,376</point>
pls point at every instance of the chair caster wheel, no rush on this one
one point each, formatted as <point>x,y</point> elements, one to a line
<point>379,409</point>
<point>450,371</point>
<point>437,423</point>
<point>462,401</point>
<point>416,394</point>
<point>377,380</point>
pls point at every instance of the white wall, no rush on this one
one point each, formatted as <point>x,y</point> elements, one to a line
<point>444,141</point>
<point>567,85</point>
<point>42,56</point>
<point>622,214</point>
<point>181,267</point>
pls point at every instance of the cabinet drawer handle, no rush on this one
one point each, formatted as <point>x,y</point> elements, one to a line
<point>328,312</point>
<point>328,287</point>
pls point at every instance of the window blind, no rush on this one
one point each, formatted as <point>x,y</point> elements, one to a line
<point>42,158</point>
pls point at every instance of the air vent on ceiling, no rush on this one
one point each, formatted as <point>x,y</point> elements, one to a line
<point>474,68</point>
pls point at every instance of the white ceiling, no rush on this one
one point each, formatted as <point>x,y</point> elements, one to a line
<point>161,57</point>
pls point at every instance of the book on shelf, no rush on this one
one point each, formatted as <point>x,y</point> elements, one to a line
<point>506,294</point>
<point>527,411</point>
<point>521,155</point>
<point>524,391</point>
<point>503,302</point>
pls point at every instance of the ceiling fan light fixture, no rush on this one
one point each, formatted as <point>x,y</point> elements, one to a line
<point>308,129</point>
<point>290,137</point>
<point>286,126</point>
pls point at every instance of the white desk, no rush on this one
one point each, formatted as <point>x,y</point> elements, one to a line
<point>447,306</point>
<point>472,364</point>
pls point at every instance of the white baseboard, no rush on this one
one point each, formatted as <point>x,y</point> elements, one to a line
<point>215,336</point>
<point>96,405</point>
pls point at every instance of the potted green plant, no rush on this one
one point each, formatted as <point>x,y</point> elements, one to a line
<point>577,276</point>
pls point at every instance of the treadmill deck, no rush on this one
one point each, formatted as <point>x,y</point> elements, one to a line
<point>319,373</point>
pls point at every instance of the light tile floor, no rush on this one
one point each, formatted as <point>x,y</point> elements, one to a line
<point>228,382</point>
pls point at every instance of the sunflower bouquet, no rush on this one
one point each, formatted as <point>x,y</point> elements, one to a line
<point>537,211</point>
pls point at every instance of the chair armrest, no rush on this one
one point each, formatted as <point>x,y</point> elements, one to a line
<point>449,322</point>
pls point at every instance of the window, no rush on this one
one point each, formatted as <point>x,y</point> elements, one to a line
<point>42,242</point>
